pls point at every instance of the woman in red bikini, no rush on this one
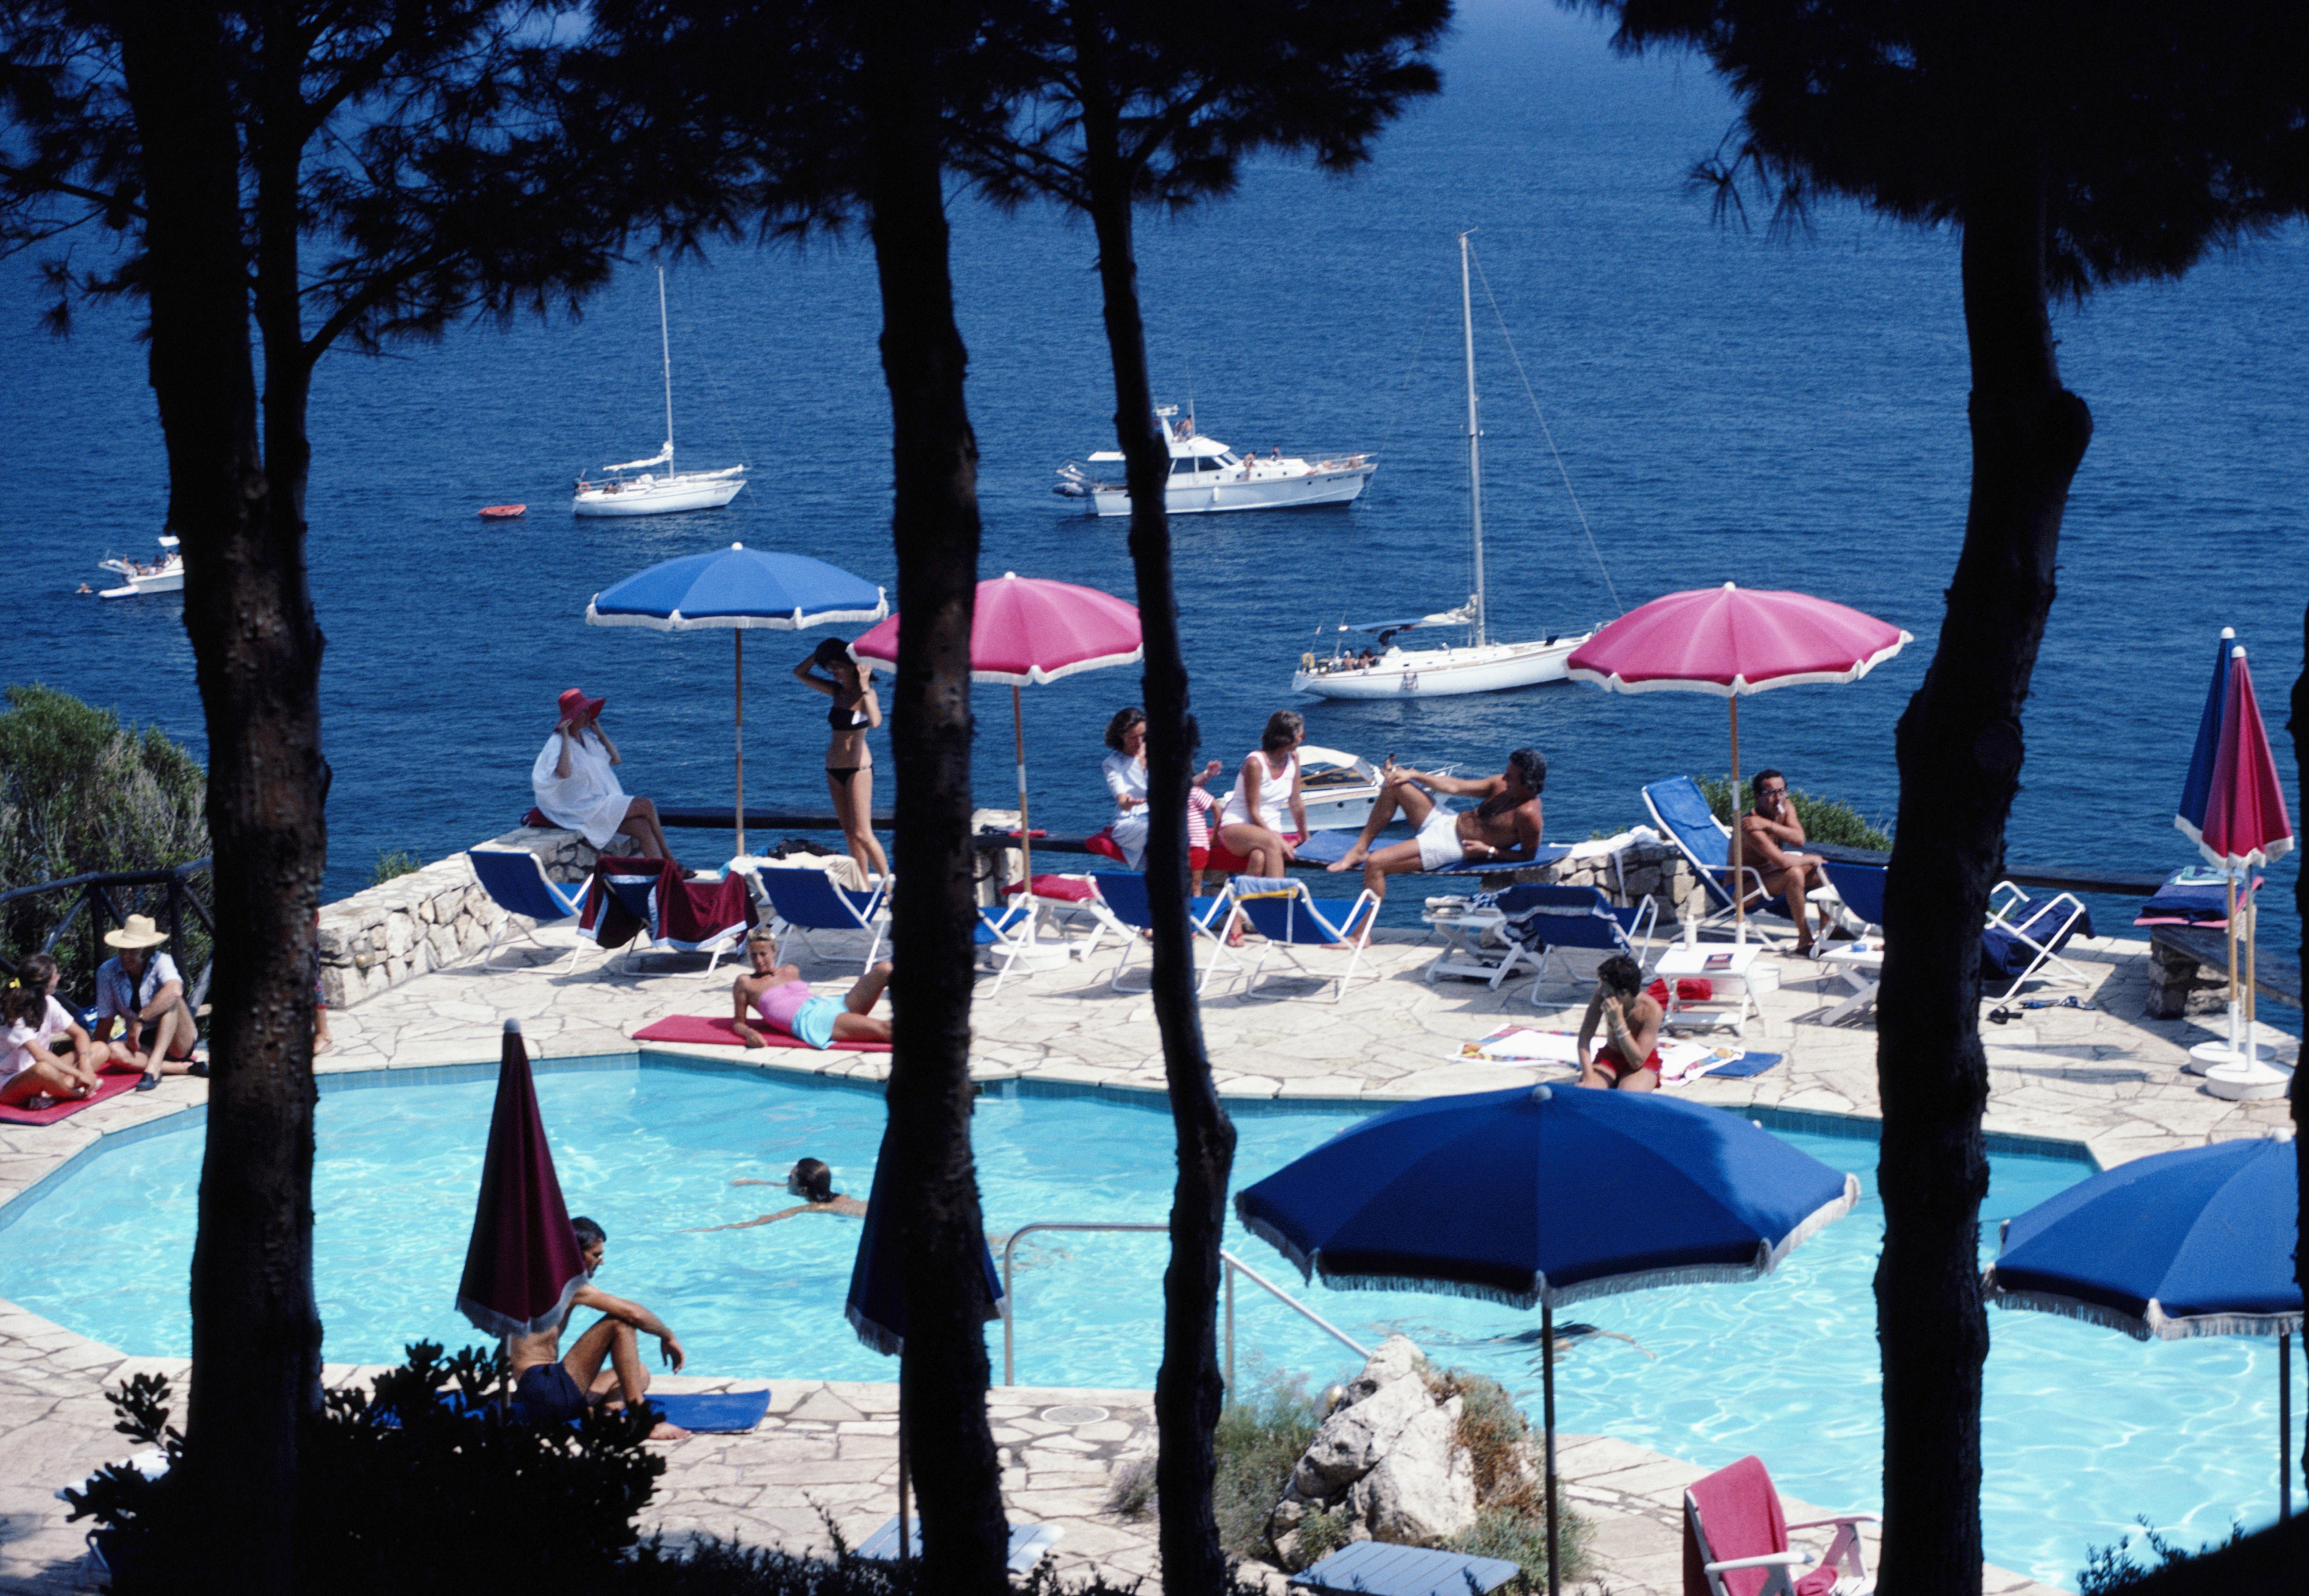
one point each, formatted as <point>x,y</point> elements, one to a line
<point>1628,1057</point>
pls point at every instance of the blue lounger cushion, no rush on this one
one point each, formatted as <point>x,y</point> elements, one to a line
<point>712,1413</point>
<point>1378,1568</point>
<point>2006,957</point>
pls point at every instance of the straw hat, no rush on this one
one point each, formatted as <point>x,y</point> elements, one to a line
<point>139,932</point>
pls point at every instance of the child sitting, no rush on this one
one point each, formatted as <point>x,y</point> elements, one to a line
<point>28,1071</point>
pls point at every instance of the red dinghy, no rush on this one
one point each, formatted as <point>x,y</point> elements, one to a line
<point>502,512</point>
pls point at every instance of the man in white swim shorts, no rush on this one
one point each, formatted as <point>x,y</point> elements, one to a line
<point>1502,828</point>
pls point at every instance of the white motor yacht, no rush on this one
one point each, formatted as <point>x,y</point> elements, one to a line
<point>651,493</point>
<point>1207,477</point>
<point>163,575</point>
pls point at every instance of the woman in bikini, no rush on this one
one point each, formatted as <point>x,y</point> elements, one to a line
<point>1629,1055</point>
<point>849,762</point>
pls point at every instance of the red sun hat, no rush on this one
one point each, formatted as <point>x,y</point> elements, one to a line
<point>576,707</point>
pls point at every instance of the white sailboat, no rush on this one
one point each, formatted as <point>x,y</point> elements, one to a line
<point>1478,666</point>
<point>654,493</point>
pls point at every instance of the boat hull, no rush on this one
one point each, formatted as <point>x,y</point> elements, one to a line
<point>1446,673</point>
<point>1341,486</point>
<point>656,499</point>
<point>170,582</point>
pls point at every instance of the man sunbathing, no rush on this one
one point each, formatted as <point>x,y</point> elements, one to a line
<point>813,1183</point>
<point>1769,832</point>
<point>555,1388</point>
<point>1503,828</point>
<point>787,1006</point>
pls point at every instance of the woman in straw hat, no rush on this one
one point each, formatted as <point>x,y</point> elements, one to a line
<point>141,989</point>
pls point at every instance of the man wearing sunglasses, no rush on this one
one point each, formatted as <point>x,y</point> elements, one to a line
<point>1768,834</point>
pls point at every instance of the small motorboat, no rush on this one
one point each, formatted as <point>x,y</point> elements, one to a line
<point>1207,477</point>
<point>163,575</point>
<point>502,512</point>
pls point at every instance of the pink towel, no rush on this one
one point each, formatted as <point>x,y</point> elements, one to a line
<point>1741,1511</point>
<point>698,1027</point>
<point>112,1085</point>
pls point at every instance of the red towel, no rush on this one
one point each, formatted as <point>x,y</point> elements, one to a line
<point>1689,989</point>
<point>698,1027</point>
<point>1740,1509</point>
<point>1065,889</point>
<point>1103,843</point>
<point>117,1078</point>
<point>690,910</point>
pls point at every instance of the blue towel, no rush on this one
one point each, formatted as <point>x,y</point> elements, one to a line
<point>1747,1064</point>
<point>712,1412</point>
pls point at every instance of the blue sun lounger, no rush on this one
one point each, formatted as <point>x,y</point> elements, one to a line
<point>1543,922</point>
<point>1682,811</point>
<point>1122,899</point>
<point>516,881</point>
<point>1287,915</point>
<point>805,900</point>
<point>1379,1568</point>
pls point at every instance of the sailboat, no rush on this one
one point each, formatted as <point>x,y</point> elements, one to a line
<point>1480,665</point>
<point>654,493</point>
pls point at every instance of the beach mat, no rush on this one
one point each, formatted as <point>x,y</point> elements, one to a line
<point>1748,1064</point>
<point>712,1412</point>
<point>699,1027</point>
<point>112,1085</point>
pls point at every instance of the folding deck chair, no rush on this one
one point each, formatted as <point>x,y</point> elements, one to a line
<point>636,890</point>
<point>516,881</point>
<point>1736,1542</point>
<point>1543,922</point>
<point>1120,903</point>
<point>2025,935</point>
<point>1285,912</point>
<point>1859,964</point>
<point>1682,811</point>
<point>805,900</point>
<point>1003,929</point>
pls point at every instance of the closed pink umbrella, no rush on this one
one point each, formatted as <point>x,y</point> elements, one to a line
<point>522,1266</point>
<point>2244,827</point>
<point>1731,641</point>
<point>1027,631</point>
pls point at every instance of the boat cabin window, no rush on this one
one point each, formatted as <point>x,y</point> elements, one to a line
<point>1226,461</point>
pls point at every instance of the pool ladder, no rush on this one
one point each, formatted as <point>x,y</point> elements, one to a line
<point>1234,1266</point>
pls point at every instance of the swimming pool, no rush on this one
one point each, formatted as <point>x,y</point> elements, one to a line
<point>2084,1429</point>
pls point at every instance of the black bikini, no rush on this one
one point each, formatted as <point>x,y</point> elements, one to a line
<point>842,719</point>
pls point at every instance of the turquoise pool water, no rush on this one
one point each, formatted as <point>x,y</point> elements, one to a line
<point>2085,1428</point>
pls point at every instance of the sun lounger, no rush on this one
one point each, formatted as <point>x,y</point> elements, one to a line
<point>2024,937</point>
<point>1029,1543</point>
<point>1287,915</point>
<point>516,881</point>
<point>1379,1568</point>
<point>1541,923</point>
<point>1004,930</point>
<point>1859,963</point>
<point>1734,1529</point>
<point>647,906</point>
<point>1683,813</point>
<point>805,900</point>
<point>1121,902</point>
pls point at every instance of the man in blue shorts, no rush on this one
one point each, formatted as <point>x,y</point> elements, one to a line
<point>554,1388</point>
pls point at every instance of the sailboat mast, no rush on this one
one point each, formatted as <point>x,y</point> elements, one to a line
<point>665,348</point>
<point>1474,444</point>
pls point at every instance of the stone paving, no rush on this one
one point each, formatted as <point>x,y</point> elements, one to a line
<point>2103,1076</point>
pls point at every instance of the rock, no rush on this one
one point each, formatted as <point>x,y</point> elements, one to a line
<point>1422,1489</point>
<point>1354,1439</point>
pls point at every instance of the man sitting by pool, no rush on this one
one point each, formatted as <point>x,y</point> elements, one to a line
<point>1502,829</point>
<point>555,1388</point>
<point>786,1005</point>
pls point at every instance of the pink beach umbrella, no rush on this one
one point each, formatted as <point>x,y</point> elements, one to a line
<point>1733,641</point>
<point>522,1266</point>
<point>1027,631</point>
<point>2244,827</point>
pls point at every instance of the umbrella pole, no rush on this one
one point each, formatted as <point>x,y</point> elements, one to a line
<point>1025,845</point>
<point>1739,878</point>
<point>2251,983</point>
<point>2231,874</point>
<point>1547,1384</point>
<point>739,637</point>
<point>2284,1427</point>
<point>905,1504</point>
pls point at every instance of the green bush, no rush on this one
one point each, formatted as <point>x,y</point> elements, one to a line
<point>393,862</point>
<point>1510,1495</point>
<point>404,1490</point>
<point>1825,820</point>
<point>2111,1568</point>
<point>716,1568</point>
<point>1260,1439</point>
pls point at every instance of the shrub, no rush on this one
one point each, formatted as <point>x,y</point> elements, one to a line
<point>717,1569</point>
<point>2109,1568</point>
<point>1825,820</point>
<point>393,862</point>
<point>1510,1492</point>
<point>1521,1538</point>
<point>421,1486</point>
<point>1131,1492</point>
<point>1260,1439</point>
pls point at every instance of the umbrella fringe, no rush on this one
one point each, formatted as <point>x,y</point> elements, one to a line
<point>488,1321</point>
<point>1429,1286</point>
<point>1827,1214</point>
<point>2156,1324</point>
<point>1266,1232</point>
<point>873,1334</point>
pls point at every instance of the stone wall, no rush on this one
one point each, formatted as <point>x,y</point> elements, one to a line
<point>1640,870</point>
<point>427,920</point>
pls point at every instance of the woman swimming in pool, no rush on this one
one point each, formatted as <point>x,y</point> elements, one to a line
<point>775,998</point>
<point>813,1183</point>
<point>1628,1057</point>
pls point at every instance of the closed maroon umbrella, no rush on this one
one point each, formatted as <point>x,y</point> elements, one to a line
<point>523,1264</point>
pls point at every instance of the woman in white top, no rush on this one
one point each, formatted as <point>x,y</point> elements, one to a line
<point>58,1037</point>
<point>577,789</point>
<point>1251,824</point>
<point>1126,778</point>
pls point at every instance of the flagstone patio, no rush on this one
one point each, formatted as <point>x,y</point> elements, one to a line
<point>2103,1076</point>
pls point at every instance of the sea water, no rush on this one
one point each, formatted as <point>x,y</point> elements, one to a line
<point>2082,1427</point>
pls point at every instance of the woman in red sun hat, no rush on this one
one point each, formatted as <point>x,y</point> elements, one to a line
<point>577,789</point>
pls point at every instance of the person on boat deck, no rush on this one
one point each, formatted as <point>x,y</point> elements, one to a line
<point>1501,829</point>
<point>1628,1057</point>
<point>849,762</point>
<point>1267,784</point>
<point>774,997</point>
<point>1768,831</point>
<point>1368,658</point>
<point>555,1387</point>
<point>577,789</point>
<point>813,1183</point>
<point>140,989</point>
<point>1126,778</point>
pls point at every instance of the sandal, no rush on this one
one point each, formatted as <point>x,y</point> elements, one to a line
<point>148,1083</point>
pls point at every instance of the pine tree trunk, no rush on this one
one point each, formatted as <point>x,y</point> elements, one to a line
<point>1188,1389</point>
<point>255,1332</point>
<point>1960,750</point>
<point>2299,1099</point>
<point>943,1374</point>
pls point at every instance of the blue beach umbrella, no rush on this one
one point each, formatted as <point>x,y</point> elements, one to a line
<point>739,590</point>
<point>2194,1242</point>
<point>2197,789</point>
<point>1545,1196</point>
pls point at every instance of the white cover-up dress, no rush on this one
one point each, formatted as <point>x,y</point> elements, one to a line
<point>1126,778</point>
<point>587,799</point>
